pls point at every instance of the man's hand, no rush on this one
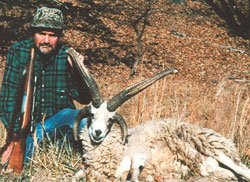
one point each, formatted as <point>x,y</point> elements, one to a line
<point>80,56</point>
<point>7,153</point>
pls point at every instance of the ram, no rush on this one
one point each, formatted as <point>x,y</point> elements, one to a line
<point>153,150</point>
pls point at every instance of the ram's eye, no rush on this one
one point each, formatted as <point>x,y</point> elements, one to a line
<point>91,116</point>
<point>110,123</point>
<point>89,121</point>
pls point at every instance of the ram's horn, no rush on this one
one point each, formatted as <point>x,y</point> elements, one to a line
<point>86,76</point>
<point>131,91</point>
<point>83,113</point>
<point>124,128</point>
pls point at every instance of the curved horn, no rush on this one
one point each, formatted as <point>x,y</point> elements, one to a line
<point>86,76</point>
<point>124,128</point>
<point>83,113</point>
<point>131,91</point>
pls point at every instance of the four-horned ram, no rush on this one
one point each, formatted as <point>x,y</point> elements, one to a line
<point>101,114</point>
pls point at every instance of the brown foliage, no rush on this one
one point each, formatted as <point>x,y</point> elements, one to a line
<point>212,86</point>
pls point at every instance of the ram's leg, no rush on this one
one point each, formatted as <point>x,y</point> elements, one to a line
<point>123,167</point>
<point>78,175</point>
<point>210,166</point>
<point>243,172</point>
<point>138,163</point>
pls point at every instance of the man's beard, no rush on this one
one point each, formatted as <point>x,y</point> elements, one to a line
<point>45,49</point>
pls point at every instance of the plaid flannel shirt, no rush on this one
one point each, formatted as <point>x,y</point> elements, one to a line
<point>56,86</point>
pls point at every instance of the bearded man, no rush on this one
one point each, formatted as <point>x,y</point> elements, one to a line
<point>56,87</point>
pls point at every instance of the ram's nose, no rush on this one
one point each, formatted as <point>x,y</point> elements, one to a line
<point>98,133</point>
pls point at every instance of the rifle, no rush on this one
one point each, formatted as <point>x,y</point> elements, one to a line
<point>14,149</point>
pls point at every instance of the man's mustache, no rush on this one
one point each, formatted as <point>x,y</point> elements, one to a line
<point>46,44</point>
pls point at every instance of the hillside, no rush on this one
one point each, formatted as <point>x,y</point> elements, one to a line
<point>212,87</point>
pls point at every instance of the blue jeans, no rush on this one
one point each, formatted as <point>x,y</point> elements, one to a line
<point>62,121</point>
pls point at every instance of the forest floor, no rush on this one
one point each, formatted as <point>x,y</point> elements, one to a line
<point>211,88</point>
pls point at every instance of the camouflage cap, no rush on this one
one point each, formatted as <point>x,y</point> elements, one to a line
<point>48,18</point>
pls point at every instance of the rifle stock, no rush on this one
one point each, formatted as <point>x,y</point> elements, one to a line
<point>12,158</point>
<point>15,161</point>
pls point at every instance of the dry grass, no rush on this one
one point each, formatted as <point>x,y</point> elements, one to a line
<point>55,160</point>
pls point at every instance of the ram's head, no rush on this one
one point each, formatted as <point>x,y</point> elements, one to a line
<point>102,114</point>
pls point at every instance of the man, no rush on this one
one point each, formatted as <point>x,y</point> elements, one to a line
<point>56,85</point>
